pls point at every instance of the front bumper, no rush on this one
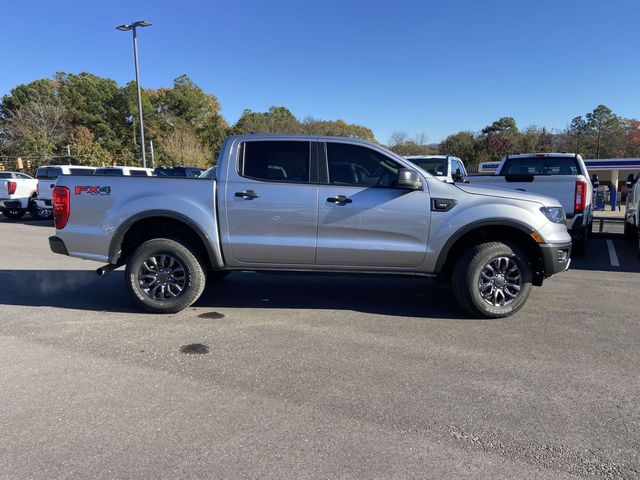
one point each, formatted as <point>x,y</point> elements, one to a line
<point>556,257</point>
<point>57,245</point>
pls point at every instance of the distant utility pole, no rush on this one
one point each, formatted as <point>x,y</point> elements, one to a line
<point>153,158</point>
<point>126,28</point>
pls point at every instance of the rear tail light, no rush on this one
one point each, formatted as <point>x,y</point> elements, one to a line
<point>580,200</point>
<point>61,200</point>
<point>37,188</point>
<point>11,187</point>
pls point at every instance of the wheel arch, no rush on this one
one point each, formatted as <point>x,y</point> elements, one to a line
<point>505,230</point>
<point>154,223</point>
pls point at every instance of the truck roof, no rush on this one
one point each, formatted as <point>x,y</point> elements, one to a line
<point>542,154</point>
<point>279,136</point>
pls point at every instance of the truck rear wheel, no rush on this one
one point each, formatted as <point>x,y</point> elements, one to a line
<point>164,276</point>
<point>39,213</point>
<point>492,280</point>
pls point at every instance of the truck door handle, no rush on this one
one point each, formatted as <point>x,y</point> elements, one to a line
<point>247,194</point>
<point>339,200</point>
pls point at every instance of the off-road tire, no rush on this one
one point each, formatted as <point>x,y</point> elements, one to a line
<point>466,279</point>
<point>37,213</point>
<point>13,213</point>
<point>194,275</point>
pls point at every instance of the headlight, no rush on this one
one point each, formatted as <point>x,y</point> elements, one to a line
<point>555,214</point>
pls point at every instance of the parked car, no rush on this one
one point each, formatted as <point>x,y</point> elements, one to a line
<point>190,172</point>
<point>443,167</point>
<point>47,176</point>
<point>631,221</point>
<point>17,196</point>
<point>124,171</point>
<point>388,217</point>
<point>558,175</point>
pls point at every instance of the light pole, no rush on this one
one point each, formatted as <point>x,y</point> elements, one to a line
<point>126,28</point>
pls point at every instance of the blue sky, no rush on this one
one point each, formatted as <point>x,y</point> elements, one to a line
<point>420,66</point>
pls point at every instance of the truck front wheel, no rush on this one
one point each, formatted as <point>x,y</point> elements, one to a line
<point>492,280</point>
<point>164,276</point>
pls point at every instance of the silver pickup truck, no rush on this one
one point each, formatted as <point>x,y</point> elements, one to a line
<point>306,203</point>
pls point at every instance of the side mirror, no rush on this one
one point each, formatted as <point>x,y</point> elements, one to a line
<point>458,177</point>
<point>408,178</point>
<point>595,181</point>
<point>630,180</point>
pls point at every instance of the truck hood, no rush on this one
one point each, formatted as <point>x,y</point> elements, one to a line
<point>509,193</point>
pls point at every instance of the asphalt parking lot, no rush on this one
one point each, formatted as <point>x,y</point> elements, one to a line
<point>315,376</point>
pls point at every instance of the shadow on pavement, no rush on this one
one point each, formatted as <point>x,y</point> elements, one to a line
<point>84,290</point>
<point>598,257</point>
<point>28,220</point>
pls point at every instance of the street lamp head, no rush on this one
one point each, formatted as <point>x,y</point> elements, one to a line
<point>141,23</point>
<point>124,28</point>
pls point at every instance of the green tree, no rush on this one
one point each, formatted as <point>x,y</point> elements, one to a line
<point>603,126</point>
<point>42,92</point>
<point>276,120</point>
<point>337,128</point>
<point>84,147</point>
<point>461,145</point>
<point>35,130</point>
<point>97,104</point>
<point>502,125</point>
<point>402,144</point>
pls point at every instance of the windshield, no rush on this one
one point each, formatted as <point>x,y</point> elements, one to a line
<point>5,175</point>
<point>209,173</point>
<point>435,166</point>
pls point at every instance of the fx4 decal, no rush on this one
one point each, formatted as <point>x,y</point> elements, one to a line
<point>92,190</point>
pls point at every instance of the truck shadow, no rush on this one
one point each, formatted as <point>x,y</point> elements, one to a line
<point>84,290</point>
<point>28,220</point>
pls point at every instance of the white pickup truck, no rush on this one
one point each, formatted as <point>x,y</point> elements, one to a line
<point>559,175</point>
<point>17,196</point>
<point>47,176</point>
<point>447,168</point>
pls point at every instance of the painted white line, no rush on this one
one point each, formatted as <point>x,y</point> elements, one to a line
<point>613,256</point>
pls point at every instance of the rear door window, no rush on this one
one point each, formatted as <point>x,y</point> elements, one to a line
<point>540,166</point>
<point>276,161</point>
<point>138,173</point>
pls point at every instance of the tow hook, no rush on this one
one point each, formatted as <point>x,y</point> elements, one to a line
<point>109,267</point>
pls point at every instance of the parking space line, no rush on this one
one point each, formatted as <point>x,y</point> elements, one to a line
<point>613,256</point>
